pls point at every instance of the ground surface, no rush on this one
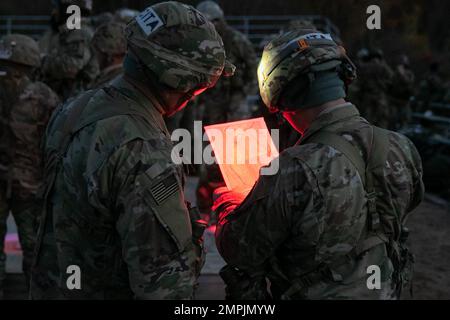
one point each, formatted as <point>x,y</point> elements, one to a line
<point>430,242</point>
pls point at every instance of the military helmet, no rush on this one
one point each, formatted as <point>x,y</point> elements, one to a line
<point>299,52</point>
<point>211,10</point>
<point>125,15</point>
<point>85,5</point>
<point>109,38</point>
<point>178,45</point>
<point>20,49</point>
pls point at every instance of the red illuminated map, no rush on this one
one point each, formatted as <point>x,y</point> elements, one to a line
<point>241,149</point>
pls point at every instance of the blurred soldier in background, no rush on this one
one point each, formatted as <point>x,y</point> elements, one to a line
<point>431,89</point>
<point>25,108</point>
<point>114,198</point>
<point>110,45</point>
<point>102,18</point>
<point>401,90</point>
<point>339,200</point>
<point>122,16</point>
<point>227,101</point>
<point>370,91</point>
<point>69,64</point>
<point>50,39</point>
<point>299,24</point>
<point>125,15</point>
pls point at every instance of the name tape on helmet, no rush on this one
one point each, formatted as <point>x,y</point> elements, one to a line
<point>149,21</point>
<point>316,36</point>
<point>311,36</point>
<point>292,46</point>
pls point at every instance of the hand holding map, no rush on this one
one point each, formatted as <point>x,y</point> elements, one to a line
<point>241,148</point>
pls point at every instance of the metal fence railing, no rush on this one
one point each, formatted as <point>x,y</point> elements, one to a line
<point>33,26</point>
<point>255,27</point>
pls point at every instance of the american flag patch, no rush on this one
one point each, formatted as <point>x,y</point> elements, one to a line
<point>164,189</point>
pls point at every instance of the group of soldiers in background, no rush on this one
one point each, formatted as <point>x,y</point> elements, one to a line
<point>36,77</point>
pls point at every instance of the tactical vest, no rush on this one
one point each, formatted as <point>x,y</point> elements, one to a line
<point>383,224</point>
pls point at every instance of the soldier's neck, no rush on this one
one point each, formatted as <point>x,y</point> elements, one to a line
<point>301,120</point>
<point>144,90</point>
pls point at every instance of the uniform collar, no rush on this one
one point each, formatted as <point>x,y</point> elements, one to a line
<point>330,116</point>
<point>143,97</point>
<point>139,93</point>
<point>111,69</point>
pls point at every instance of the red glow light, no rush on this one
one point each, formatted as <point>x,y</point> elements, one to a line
<point>241,149</point>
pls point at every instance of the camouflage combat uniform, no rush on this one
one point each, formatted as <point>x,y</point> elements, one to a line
<point>370,92</point>
<point>401,91</point>
<point>339,200</point>
<point>431,89</point>
<point>25,107</point>
<point>125,240</point>
<point>59,17</point>
<point>70,64</point>
<point>107,75</point>
<point>227,100</point>
<point>114,199</point>
<point>110,44</point>
<point>313,211</point>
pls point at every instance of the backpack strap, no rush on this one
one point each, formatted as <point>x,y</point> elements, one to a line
<point>342,145</point>
<point>377,159</point>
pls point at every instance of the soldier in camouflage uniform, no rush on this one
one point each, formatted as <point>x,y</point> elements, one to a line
<point>227,100</point>
<point>370,91</point>
<point>431,89</point>
<point>69,63</point>
<point>400,92</point>
<point>114,202</point>
<point>110,45</point>
<point>339,200</point>
<point>102,18</point>
<point>25,107</point>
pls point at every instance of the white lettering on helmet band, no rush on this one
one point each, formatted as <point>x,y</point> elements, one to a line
<point>149,21</point>
<point>310,36</point>
<point>316,36</point>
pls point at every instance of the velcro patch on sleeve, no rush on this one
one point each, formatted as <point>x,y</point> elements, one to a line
<point>165,189</point>
<point>149,21</point>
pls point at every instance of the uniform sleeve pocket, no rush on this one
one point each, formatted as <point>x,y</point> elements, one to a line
<point>164,196</point>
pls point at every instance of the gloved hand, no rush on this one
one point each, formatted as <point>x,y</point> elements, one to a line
<point>225,201</point>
